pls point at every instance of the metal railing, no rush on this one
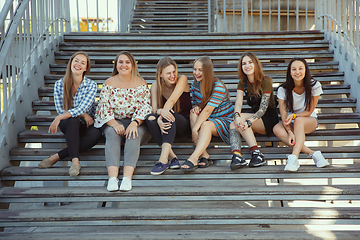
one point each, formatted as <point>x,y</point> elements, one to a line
<point>339,19</point>
<point>101,15</point>
<point>30,33</point>
<point>261,15</point>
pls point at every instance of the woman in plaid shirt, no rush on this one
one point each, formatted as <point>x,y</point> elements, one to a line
<point>74,97</point>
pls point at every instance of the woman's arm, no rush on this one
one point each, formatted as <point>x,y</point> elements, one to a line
<point>88,93</point>
<point>55,123</point>
<point>313,104</point>
<point>238,107</point>
<point>285,117</point>
<point>264,104</point>
<point>180,87</point>
<point>153,95</point>
<point>204,115</point>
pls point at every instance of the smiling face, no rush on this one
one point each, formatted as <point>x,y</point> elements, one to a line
<point>198,71</point>
<point>247,66</point>
<point>123,64</point>
<point>79,64</point>
<point>297,71</point>
<point>169,74</point>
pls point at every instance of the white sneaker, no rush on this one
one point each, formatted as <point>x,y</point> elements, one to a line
<point>292,163</point>
<point>125,184</point>
<point>113,184</point>
<point>319,159</point>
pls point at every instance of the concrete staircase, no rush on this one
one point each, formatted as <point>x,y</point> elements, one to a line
<point>212,203</point>
<point>165,16</point>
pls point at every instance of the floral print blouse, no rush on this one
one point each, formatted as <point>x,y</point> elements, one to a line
<point>120,103</point>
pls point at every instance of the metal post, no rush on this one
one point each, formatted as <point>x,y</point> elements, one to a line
<point>260,21</point>
<point>279,15</point>
<point>224,15</point>
<point>269,15</point>
<point>297,15</point>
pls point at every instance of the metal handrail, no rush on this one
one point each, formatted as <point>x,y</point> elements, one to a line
<point>343,32</point>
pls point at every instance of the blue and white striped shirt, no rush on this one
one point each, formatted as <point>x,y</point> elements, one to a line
<point>83,102</point>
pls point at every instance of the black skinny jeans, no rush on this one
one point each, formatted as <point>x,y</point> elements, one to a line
<point>79,138</point>
<point>179,128</point>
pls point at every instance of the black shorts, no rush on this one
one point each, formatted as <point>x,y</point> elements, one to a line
<point>270,119</point>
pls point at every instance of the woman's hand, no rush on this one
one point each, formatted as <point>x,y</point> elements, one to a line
<point>194,135</point>
<point>89,120</point>
<point>240,124</point>
<point>119,128</point>
<point>291,138</point>
<point>167,114</point>
<point>196,110</point>
<point>54,125</point>
<point>288,119</point>
<point>163,126</point>
<point>131,130</point>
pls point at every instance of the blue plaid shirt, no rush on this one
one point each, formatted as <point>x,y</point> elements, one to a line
<point>83,102</point>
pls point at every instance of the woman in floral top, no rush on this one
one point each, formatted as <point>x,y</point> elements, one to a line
<point>124,103</point>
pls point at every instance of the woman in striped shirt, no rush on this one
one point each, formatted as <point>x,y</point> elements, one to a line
<point>211,114</point>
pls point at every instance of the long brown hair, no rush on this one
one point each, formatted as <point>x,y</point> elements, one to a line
<point>69,81</point>
<point>134,70</point>
<point>208,80</point>
<point>161,65</point>
<point>258,72</point>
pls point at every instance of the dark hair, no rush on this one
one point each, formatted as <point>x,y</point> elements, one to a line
<point>69,81</point>
<point>258,72</point>
<point>308,83</point>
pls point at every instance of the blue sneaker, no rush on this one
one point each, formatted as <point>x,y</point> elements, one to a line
<point>174,163</point>
<point>159,168</point>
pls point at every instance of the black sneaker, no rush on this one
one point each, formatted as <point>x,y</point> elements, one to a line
<point>257,159</point>
<point>237,162</point>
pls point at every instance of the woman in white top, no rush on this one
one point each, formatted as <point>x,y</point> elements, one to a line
<point>123,106</point>
<point>298,97</point>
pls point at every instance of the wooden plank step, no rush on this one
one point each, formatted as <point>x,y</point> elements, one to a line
<point>165,19</point>
<point>323,77</point>
<point>325,118</point>
<point>97,233</point>
<point>223,47</point>
<point>218,68</point>
<point>210,37</point>
<point>347,134</point>
<point>264,57</point>
<point>151,152</point>
<point>327,89</point>
<point>173,11</point>
<point>213,190</point>
<point>168,30</point>
<point>323,103</point>
<point>176,216</point>
<point>169,24</point>
<point>142,176</point>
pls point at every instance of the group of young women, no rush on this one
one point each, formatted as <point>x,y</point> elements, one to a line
<point>128,111</point>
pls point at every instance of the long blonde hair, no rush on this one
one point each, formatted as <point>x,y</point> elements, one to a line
<point>161,65</point>
<point>69,81</point>
<point>258,72</point>
<point>208,80</point>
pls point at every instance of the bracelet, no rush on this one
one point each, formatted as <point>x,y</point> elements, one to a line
<point>294,116</point>
<point>136,122</point>
<point>236,114</point>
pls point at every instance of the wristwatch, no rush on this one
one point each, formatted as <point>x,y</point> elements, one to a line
<point>248,122</point>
